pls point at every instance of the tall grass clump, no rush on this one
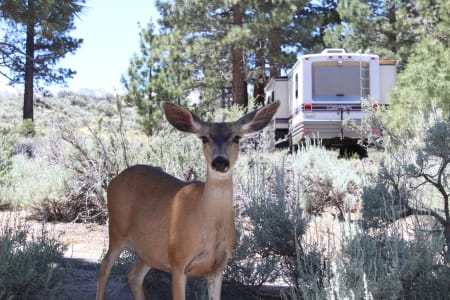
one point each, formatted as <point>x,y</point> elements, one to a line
<point>29,266</point>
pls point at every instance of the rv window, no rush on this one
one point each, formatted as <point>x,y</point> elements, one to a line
<point>347,81</point>
<point>296,85</point>
<point>273,96</point>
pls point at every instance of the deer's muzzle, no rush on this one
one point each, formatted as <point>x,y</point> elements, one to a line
<point>220,164</point>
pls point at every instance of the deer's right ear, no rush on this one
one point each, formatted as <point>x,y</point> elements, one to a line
<point>181,118</point>
<point>258,119</point>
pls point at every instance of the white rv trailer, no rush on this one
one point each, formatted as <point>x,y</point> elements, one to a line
<point>322,90</point>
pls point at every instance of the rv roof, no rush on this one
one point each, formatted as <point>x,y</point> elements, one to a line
<point>332,50</point>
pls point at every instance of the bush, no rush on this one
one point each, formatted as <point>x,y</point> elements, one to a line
<point>6,152</point>
<point>91,162</point>
<point>27,128</point>
<point>395,268</point>
<point>411,189</point>
<point>29,267</point>
<point>91,156</point>
<point>32,181</point>
<point>271,246</point>
<point>413,181</point>
<point>330,184</point>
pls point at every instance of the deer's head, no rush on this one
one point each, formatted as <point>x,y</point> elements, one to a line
<point>220,139</point>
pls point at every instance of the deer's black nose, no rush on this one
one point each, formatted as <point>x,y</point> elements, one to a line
<point>220,164</point>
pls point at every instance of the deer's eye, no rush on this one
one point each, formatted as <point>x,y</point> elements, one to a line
<point>204,139</point>
<point>236,139</point>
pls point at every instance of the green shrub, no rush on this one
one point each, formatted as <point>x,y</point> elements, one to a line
<point>394,267</point>
<point>6,150</point>
<point>29,267</point>
<point>27,128</point>
<point>6,153</point>
<point>177,153</point>
<point>90,162</point>
<point>33,181</point>
<point>91,155</point>
<point>413,181</point>
<point>271,225</point>
<point>330,184</point>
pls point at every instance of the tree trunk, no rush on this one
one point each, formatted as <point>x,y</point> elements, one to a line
<point>274,52</point>
<point>240,96</point>
<point>29,72</point>
<point>447,239</point>
<point>260,77</point>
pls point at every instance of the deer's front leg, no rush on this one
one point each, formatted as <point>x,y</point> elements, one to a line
<point>178,285</point>
<point>215,285</point>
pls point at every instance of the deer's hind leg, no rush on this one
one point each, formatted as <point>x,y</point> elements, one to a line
<point>108,261</point>
<point>136,278</point>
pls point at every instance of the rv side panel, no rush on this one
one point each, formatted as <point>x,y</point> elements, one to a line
<point>388,78</point>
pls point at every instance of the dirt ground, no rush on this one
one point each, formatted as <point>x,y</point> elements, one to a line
<point>86,245</point>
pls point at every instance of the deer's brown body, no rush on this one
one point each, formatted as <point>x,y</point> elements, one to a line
<point>185,228</point>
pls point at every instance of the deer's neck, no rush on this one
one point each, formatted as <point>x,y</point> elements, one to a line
<point>219,189</point>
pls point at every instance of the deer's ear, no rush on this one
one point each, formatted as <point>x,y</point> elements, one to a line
<point>258,119</point>
<point>181,118</point>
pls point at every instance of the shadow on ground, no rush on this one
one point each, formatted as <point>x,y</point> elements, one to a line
<point>81,283</point>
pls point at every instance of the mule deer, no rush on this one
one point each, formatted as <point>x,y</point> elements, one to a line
<point>185,228</point>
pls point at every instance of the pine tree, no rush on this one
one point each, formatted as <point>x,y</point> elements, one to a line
<point>425,81</point>
<point>217,48</point>
<point>235,41</point>
<point>268,23</point>
<point>413,32</point>
<point>214,33</point>
<point>310,25</point>
<point>389,28</point>
<point>36,39</point>
<point>159,73</point>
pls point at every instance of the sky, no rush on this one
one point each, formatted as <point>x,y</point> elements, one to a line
<point>111,35</point>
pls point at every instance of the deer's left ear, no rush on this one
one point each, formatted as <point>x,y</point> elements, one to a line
<point>181,118</point>
<point>258,119</point>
